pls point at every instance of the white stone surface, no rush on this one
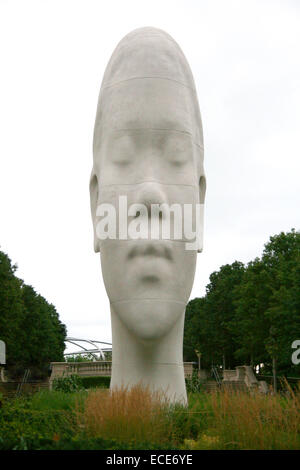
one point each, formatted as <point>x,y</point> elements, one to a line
<point>148,145</point>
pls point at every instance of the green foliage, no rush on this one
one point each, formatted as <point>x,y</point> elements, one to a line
<point>68,384</point>
<point>46,400</point>
<point>250,314</point>
<point>88,357</point>
<point>46,333</point>
<point>20,425</point>
<point>77,443</point>
<point>281,257</point>
<point>223,420</point>
<point>250,326</point>
<point>74,383</point>
<point>29,325</point>
<point>207,326</point>
<point>81,358</point>
<point>93,382</point>
<point>12,313</point>
<point>49,421</point>
<point>194,335</point>
<point>193,383</point>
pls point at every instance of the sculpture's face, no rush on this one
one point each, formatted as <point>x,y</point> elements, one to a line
<point>144,150</point>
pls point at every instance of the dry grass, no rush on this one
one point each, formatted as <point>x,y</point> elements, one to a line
<point>135,415</point>
<point>224,420</point>
<point>241,420</point>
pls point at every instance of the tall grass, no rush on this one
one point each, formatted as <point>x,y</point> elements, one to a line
<point>138,418</point>
<point>240,420</point>
<point>223,420</point>
<point>135,415</point>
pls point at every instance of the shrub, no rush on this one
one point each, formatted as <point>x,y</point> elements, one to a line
<point>20,426</point>
<point>193,383</point>
<point>57,400</point>
<point>138,419</point>
<point>68,384</point>
<point>98,381</point>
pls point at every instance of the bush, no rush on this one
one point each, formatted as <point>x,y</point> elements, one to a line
<point>20,426</point>
<point>138,419</point>
<point>68,384</point>
<point>46,400</point>
<point>193,383</point>
<point>76,443</point>
<point>93,382</point>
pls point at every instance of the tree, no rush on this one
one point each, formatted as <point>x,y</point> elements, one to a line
<point>11,311</point>
<point>195,327</point>
<point>220,308</point>
<point>249,325</point>
<point>281,256</point>
<point>29,325</point>
<point>207,326</point>
<point>250,314</point>
<point>45,333</point>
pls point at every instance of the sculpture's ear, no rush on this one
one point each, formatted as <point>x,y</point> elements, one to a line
<point>94,191</point>
<point>202,191</point>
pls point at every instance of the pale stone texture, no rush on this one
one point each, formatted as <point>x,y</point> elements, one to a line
<point>148,145</point>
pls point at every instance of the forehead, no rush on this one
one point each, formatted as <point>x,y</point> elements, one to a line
<point>148,110</point>
<point>148,54</point>
<point>147,103</point>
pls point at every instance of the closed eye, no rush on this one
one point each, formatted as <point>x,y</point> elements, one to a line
<point>178,162</point>
<point>122,162</point>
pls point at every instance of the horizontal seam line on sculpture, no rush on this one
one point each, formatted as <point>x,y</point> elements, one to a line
<point>157,129</point>
<point>137,37</point>
<point>147,239</point>
<point>103,87</point>
<point>157,363</point>
<point>147,181</point>
<point>146,298</point>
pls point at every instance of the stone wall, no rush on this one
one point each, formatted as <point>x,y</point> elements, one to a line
<point>96,368</point>
<point>245,374</point>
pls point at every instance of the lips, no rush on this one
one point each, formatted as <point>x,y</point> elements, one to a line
<point>154,250</point>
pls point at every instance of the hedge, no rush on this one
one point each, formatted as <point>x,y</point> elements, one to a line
<point>97,381</point>
<point>19,424</point>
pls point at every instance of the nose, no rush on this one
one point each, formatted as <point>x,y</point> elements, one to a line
<point>150,193</point>
<point>154,198</point>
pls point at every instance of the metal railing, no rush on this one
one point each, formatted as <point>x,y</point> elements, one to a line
<point>24,380</point>
<point>216,375</point>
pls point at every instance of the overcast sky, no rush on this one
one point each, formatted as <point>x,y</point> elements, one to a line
<point>245,58</point>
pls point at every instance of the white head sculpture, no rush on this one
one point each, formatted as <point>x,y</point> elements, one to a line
<point>148,153</point>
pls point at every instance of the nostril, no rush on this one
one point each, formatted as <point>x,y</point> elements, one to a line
<point>151,194</point>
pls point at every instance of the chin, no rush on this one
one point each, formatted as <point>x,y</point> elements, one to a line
<point>149,319</point>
